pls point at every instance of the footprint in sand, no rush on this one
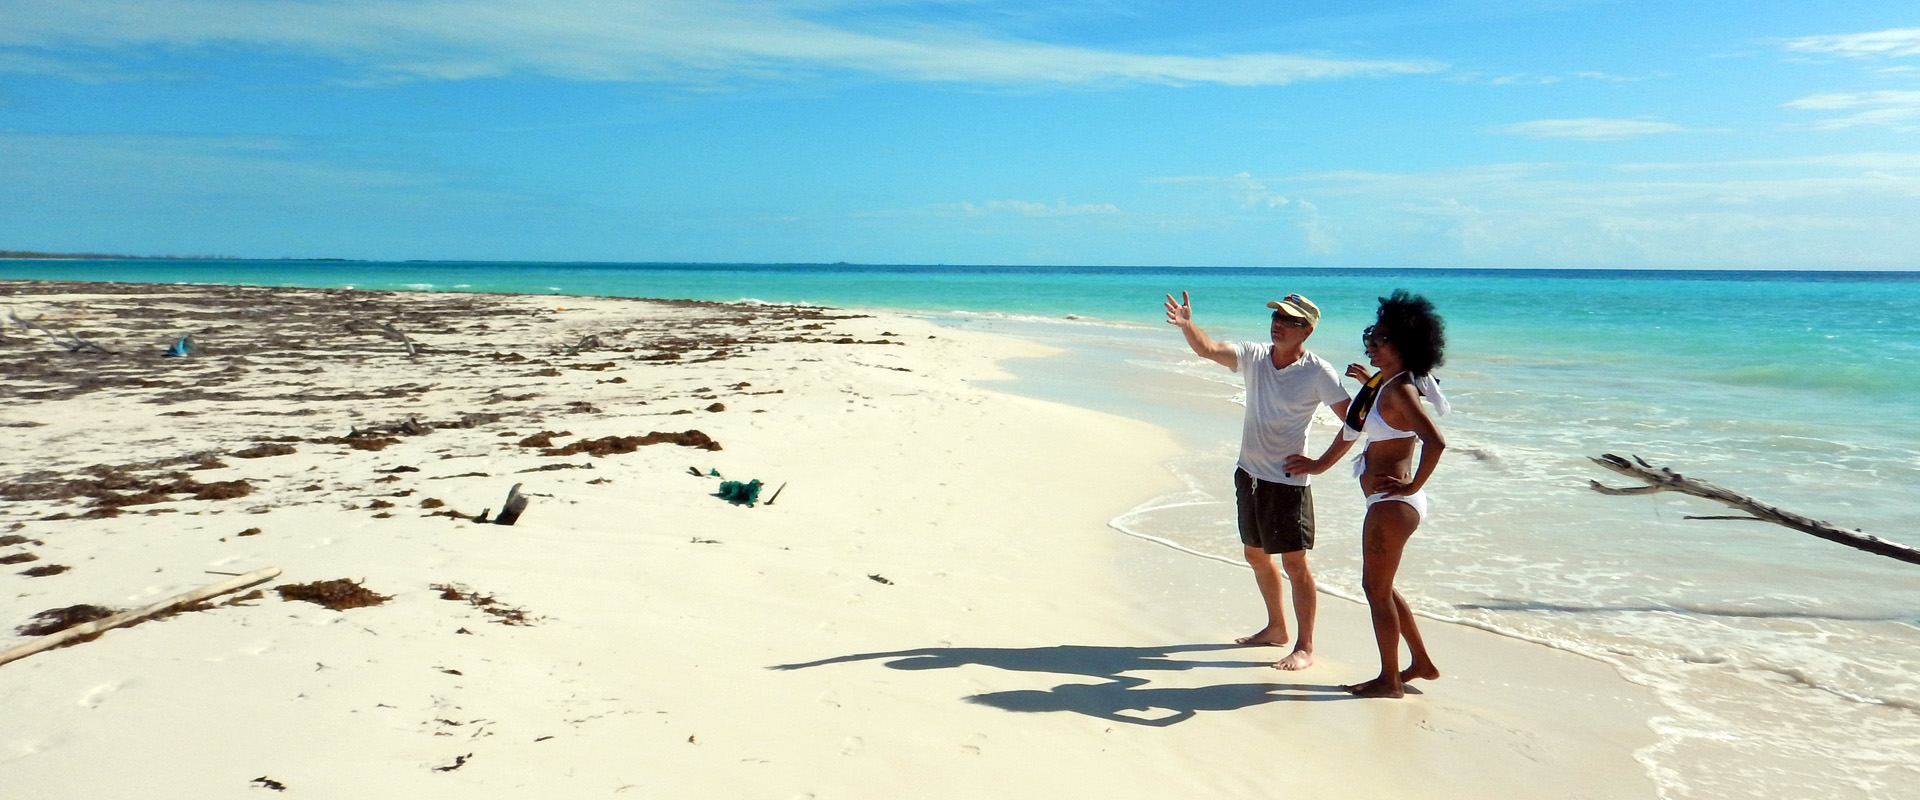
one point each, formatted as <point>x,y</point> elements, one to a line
<point>852,746</point>
<point>973,744</point>
<point>94,696</point>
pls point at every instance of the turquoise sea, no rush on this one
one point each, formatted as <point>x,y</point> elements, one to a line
<point>1787,666</point>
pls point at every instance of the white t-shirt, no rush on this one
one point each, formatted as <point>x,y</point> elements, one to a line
<point>1280,403</point>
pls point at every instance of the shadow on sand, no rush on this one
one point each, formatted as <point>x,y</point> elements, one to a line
<point>1120,698</point>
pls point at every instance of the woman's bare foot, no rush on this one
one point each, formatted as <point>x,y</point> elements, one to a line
<point>1269,636</point>
<point>1296,660</point>
<point>1383,686</point>
<point>1425,671</point>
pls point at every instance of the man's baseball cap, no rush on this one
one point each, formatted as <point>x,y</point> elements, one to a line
<point>1297,307</point>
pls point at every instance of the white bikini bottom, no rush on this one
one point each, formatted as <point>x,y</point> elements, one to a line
<point>1418,500</point>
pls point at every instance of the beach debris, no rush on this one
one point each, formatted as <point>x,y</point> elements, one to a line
<point>268,783</point>
<point>45,570</point>
<point>739,493</point>
<point>552,467</point>
<point>55,620</point>
<point>249,532</point>
<point>181,348</point>
<point>1662,479</point>
<point>19,558</point>
<point>73,343</point>
<point>510,510</point>
<point>877,578</point>
<point>87,628</point>
<point>265,449</point>
<point>543,439</point>
<point>394,333</point>
<point>776,494</point>
<point>717,407</point>
<point>501,613</point>
<point>398,469</point>
<point>606,445</point>
<point>458,762</point>
<point>587,342</point>
<point>99,482</point>
<point>338,594</point>
<point>698,540</point>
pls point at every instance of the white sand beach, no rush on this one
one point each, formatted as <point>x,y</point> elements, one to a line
<point>933,606</point>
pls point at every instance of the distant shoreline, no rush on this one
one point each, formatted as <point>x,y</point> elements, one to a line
<point>33,255</point>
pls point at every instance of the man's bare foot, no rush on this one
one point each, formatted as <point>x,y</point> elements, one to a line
<point>1267,637</point>
<point>1426,671</point>
<point>1296,660</point>
<point>1382,686</point>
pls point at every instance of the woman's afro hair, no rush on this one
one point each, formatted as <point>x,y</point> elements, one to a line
<point>1409,322</point>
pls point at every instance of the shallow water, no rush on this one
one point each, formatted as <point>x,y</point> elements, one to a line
<point>1788,666</point>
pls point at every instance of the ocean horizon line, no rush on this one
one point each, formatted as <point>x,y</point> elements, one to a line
<point>1778,272</point>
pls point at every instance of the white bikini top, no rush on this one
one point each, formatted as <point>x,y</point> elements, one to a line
<point>1376,427</point>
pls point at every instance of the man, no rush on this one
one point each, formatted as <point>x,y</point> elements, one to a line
<point>1285,386</point>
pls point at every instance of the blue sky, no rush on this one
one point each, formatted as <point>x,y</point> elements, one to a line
<point>1477,133</point>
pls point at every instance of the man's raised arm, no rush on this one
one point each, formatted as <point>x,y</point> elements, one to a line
<point>1180,315</point>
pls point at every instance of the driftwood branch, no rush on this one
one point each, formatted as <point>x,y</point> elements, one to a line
<point>53,640</point>
<point>395,334</point>
<point>587,342</point>
<point>1661,479</point>
<point>73,342</point>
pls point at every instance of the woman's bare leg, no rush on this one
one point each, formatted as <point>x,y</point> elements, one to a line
<point>1383,538</point>
<point>1422,666</point>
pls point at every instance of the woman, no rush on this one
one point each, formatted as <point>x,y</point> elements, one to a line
<point>1406,341</point>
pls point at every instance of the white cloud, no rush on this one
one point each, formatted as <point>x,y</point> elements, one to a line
<point>1893,108</point>
<point>1592,129</point>
<point>681,41</point>
<point>1890,43</point>
<point>1024,208</point>
<point>1247,191</point>
<point>1525,80</point>
<point>1881,162</point>
<point>1844,210</point>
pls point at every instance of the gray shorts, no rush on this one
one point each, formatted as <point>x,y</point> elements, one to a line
<point>1275,517</point>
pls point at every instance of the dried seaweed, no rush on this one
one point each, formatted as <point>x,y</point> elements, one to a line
<point>626,444</point>
<point>338,594</point>
<point>503,614</point>
<point>55,620</point>
<point>265,450</point>
<point>543,438</point>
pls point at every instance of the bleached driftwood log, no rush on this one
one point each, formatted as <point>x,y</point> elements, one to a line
<point>53,640</point>
<point>1661,479</point>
